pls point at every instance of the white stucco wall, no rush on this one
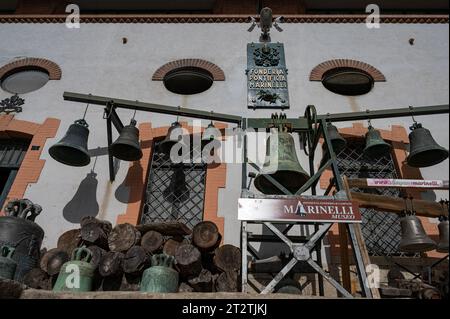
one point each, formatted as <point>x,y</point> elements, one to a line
<point>94,60</point>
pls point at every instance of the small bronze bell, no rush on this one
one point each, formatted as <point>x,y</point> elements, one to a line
<point>76,275</point>
<point>127,147</point>
<point>442,246</point>
<point>160,277</point>
<point>281,155</point>
<point>424,151</point>
<point>337,141</point>
<point>169,141</point>
<point>72,149</point>
<point>209,134</point>
<point>375,145</point>
<point>414,237</point>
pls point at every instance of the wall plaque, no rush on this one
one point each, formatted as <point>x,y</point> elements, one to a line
<point>299,209</point>
<point>267,76</point>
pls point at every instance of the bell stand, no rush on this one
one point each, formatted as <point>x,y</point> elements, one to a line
<point>423,208</point>
<point>298,124</point>
<point>302,251</point>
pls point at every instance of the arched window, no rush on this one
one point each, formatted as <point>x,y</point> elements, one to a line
<point>188,76</point>
<point>347,77</point>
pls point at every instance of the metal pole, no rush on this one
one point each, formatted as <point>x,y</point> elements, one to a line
<point>150,107</point>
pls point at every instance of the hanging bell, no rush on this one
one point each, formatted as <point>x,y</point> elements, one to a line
<point>414,239</point>
<point>7,264</point>
<point>169,141</point>
<point>209,134</point>
<point>375,145</point>
<point>127,147</point>
<point>424,151</point>
<point>160,277</point>
<point>76,275</point>
<point>337,141</point>
<point>442,246</point>
<point>281,164</point>
<point>72,149</point>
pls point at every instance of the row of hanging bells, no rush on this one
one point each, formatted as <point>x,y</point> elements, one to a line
<point>72,149</point>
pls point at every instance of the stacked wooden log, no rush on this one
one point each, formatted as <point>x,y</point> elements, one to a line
<point>121,254</point>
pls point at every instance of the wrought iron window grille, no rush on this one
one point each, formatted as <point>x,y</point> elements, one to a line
<point>175,192</point>
<point>381,231</point>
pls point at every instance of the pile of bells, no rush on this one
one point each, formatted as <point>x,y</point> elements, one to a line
<point>72,149</point>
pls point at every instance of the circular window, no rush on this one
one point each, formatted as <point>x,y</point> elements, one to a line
<point>188,80</point>
<point>348,81</point>
<point>22,81</point>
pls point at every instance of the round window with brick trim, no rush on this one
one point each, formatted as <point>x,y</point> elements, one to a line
<point>348,81</point>
<point>188,80</point>
<point>24,80</point>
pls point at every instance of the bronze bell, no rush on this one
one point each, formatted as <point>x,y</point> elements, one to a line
<point>72,149</point>
<point>442,246</point>
<point>169,141</point>
<point>414,238</point>
<point>375,145</point>
<point>281,164</point>
<point>127,147</point>
<point>424,151</point>
<point>337,141</point>
<point>209,134</point>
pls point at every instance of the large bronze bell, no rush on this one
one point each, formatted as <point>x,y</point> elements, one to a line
<point>281,164</point>
<point>424,151</point>
<point>19,231</point>
<point>72,149</point>
<point>337,141</point>
<point>127,147</point>
<point>442,246</point>
<point>414,238</point>
<point>375,145</point>
<point>169,141</point>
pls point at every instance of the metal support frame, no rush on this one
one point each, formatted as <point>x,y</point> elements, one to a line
<point>312,127</point>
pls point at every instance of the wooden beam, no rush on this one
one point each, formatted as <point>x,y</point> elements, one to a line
<point>345,260</point>
<point>360,239</point>
<point>397,205</point>
<point>362,183</point>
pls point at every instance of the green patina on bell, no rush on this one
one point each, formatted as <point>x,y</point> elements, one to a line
<point>375,145</point>
<point>160,277</point>
<point>76,275</point>
<point>7,264</point>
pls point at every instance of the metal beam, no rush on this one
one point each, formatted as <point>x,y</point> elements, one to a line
<point>387,113</point>
<point>150,107</point>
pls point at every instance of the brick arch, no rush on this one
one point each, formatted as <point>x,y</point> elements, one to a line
<point>53,69</point>
<point>136,179</point>
<point>216,71</point>
<point>32,165</point>
<point>318,72</point>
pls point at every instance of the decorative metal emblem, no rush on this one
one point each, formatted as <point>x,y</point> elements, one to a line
<point>11,104</point>
<point>267,76</point>
<point>268,57</point>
